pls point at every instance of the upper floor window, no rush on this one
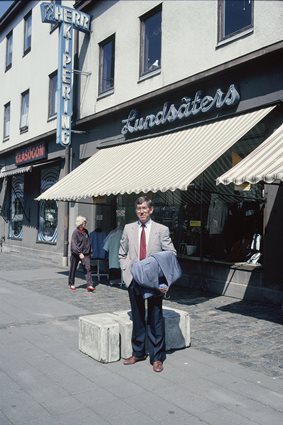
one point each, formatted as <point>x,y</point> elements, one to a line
<point>9,50</point>
<point>235,16</point>
<point>7,111</point>
<point>106,64</point>
<point>150,59</point>
<point>24,111</point>
<point>52,106</point>
<point>27,36</point>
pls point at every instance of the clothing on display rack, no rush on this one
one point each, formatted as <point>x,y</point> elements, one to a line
<point>216,219</point>
<point>97,238</point>
<point>217,215</point>
<point>111,245</point>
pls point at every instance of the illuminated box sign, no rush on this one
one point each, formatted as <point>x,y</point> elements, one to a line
<point>68,19</point>
<point>32,153</point>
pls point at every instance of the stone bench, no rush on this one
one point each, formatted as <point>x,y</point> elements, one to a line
<point>106,337</point>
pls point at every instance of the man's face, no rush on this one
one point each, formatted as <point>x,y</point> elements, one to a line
<point>143,212</point>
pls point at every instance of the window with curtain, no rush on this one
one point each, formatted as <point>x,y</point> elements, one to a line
<point>16,207</point>
<point>106,64</point>
<point>7,112</point>
<point>52,107</point>
<point>150,54</point>
<point>24,111</point>
<point>9,50</point>
<point>235,17</point>
<point>27,36</point>
<point>48,210</point>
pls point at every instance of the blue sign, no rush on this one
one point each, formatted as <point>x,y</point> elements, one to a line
<point>67,19</point>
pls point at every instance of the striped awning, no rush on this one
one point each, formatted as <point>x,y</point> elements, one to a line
<point>265,163</point>
<point>14,171</point>
<point>167,162</point>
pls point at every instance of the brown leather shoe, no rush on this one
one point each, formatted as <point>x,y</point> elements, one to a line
<point>133,360</point>
<point>157,366</point>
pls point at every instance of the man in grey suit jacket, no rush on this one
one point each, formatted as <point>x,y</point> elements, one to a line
<point>157,239</point>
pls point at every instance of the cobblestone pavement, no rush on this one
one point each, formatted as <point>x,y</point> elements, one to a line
<point>248,334</point>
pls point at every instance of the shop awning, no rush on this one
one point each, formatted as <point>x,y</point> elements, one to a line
<point>265,163</point>
<point>167,162</point>
<point>14,171</point>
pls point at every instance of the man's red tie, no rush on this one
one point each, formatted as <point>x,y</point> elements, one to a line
<point>142,244</point>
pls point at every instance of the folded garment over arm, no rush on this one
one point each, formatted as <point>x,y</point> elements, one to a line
<point>156,272</point>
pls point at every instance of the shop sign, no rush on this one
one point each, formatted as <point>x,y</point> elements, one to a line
<point>67,19</point>
<point>31,153</point>
<point>189,108</point>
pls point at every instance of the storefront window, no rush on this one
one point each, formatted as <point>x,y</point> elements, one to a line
<point>16,207</point>
<point>48,210</point>
<point>222,224</point>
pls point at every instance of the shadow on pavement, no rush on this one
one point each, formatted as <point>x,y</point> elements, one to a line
<point>271,313</point>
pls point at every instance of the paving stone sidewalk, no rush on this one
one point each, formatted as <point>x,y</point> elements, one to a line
<point>232,373</point>
<point>247,333</point>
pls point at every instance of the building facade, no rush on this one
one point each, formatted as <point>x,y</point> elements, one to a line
<point>192,88</point>
<point>30,159</point>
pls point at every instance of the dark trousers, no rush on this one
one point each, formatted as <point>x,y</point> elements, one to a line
<point>151,326</point>
<point>86,268</point>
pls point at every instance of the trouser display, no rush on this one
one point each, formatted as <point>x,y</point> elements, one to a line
<point>152,326</point>
<point>86,268</point>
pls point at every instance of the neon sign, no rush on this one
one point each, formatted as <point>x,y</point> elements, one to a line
<point>67,19</point>
<point>190,107</point>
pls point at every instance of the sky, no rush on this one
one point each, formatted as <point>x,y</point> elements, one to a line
<point>4,6</point>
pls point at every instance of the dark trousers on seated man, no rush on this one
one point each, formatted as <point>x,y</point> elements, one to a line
<point>151,326</point>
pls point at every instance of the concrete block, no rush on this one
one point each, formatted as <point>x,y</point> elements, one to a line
<point>99,337</point>
<point>177,329</point>
<point>106,337</point>
<point>124,319</point>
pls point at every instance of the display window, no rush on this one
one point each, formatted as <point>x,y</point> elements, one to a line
<point>16,207</point>
<point>48,210</point>
<point>205,222</point>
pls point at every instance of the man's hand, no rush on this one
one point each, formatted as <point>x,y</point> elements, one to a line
<point>81,255</point>
<point>163,290</point>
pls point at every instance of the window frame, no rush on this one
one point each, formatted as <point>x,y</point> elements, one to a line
<point>101,89</point>
<point>52,111</point>
<point>27,46</point>
<point>24,128</point>
<point>9,52</point>
<point>222,38</point>
<point>142,69</point>
<point>6,136</point>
